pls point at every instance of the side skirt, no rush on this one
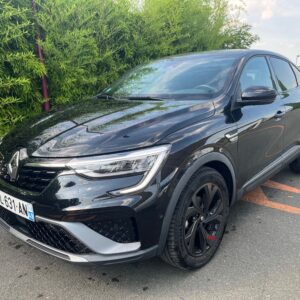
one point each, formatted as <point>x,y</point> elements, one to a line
<point>269,171</point>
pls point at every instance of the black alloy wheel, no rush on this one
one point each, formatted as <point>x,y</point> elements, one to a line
<point>204,219</point>
<point>199,221</point>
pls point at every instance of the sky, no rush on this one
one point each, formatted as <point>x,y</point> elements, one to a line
<point>277,23</point>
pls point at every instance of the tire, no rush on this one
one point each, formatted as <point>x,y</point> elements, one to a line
<point>295,166</point>
<point>197,227</point>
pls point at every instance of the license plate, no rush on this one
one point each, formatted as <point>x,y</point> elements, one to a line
<point>16,206</point>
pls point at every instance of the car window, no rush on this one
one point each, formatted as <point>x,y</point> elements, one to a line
<point>256,73</point>
<point>177,78</point>
<point>297,73</point>
<point>284,73</point>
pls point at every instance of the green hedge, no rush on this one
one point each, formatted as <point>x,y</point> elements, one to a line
<point>90,43</point>
<point>19,69</point>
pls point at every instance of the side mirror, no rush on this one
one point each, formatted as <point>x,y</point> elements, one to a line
<point>258,95</point>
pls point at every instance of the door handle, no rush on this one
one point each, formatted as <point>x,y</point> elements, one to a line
<point>279,114</point>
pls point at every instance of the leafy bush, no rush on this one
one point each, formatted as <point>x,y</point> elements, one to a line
<point>90,43</point>
<point>86,45</point>
<point>19,68</point>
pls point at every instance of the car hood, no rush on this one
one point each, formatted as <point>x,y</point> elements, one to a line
<point>103,126</point>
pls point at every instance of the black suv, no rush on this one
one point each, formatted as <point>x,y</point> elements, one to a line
<point>152,165</point>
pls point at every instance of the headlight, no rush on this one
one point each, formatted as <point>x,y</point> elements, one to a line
<point>146,162</point>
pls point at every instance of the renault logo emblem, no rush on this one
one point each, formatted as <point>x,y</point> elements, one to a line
<point>13,166</point>
<point>14,163</point>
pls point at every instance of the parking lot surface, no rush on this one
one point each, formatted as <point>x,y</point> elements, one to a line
<point>259,259</point>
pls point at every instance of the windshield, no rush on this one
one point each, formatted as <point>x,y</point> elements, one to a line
<point>180,77</point>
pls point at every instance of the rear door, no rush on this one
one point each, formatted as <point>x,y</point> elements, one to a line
<point>288,78</point>
<point>261,127</point>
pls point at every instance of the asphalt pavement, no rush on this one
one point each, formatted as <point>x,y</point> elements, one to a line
<point>259,259</point>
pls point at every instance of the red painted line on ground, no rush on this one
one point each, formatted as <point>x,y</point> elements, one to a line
<point>281,187</point>
<point>258,197</point>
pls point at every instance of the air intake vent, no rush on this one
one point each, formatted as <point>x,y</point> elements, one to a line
<point>121,230</point>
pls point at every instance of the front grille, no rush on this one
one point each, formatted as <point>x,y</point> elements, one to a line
<point>30,178</point>
<point>35,179</point>
<point>45,233</point>
<point>121,230</point>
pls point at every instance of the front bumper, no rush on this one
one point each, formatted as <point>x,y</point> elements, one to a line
<point>103,250</point>
<point>86,211</point>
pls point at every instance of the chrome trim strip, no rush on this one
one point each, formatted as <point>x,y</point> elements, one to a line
<point>49,250</point>
<point>67,172</point>
<point>47,162</point>
<point>45,165</point>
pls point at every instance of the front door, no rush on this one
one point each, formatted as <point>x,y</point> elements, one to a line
<point>261,127</point>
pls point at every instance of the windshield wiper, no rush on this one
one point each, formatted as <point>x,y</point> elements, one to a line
<point>145,98</point>
<point>110,97</point>
<point>106,96</point>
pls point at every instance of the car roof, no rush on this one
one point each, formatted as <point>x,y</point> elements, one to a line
<point>235,53</point>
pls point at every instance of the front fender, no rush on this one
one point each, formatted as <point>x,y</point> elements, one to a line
<point>189,172</point>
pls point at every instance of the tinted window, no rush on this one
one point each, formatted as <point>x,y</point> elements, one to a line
<point>256,73</point>
<point>297,72</point>
<point>284,73</point>
<point>176,78</point>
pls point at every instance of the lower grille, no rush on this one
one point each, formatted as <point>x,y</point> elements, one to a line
<point>56,237</point>
<point>121,230</point>
<point>45,233</point>
<point>5,215</point>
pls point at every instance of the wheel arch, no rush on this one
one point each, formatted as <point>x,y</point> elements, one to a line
<point>225,171</point>
<point>217,161</point>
